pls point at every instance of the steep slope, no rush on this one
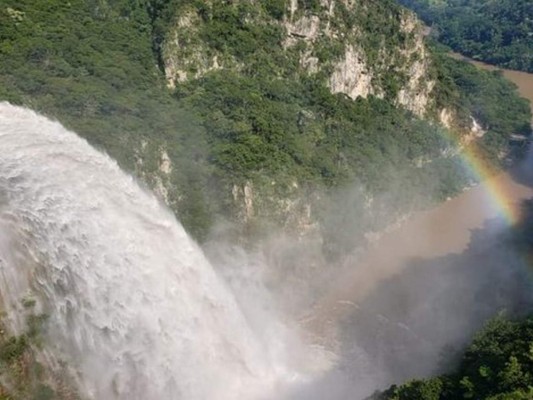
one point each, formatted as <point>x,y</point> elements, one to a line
<point>496,366</point>
<point>258,110</point>
<point>335,93</point>
<point>497,32</point>
<point>315,117</point>
<point>90,64</point>
<point>357,48</point>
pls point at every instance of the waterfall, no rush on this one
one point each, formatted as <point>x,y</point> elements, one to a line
<point>134,306</point>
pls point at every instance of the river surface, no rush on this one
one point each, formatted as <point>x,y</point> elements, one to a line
<point>444,230</point>
<point>425,286</point>
<point>523,80</point>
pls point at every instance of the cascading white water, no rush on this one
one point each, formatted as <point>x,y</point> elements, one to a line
<point>134,306</point>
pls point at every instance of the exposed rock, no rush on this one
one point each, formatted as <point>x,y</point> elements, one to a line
<point>476,132</point>
<point>446,117</point>
<point>165,165</point>
<point>160,189</point>
<point>416,93</point>
<point>350,72</point>
<point>184,55</point>
<point>293,7</point>
<point>244,199</point>
<point>307,27</point>
<point>328,47</point>
<point>309,63</point>
<point>159,179</point>
<point>351,75</point>
<point>477,129</point>
<point>248,200</point>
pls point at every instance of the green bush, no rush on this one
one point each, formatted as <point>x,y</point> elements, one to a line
<point>498,32</point>
<point>497,365</point>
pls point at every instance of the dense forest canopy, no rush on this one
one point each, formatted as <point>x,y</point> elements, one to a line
<point>499,32</point>
<point>498,364</point>
<point>96,66</point>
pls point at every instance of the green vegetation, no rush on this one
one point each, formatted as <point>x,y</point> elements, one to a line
<point>484,95</point>
<point>22,376</point>
<point>96,66</point>
<point>496,31</point>
<point>297,131</point>
<point>90,65</point>
<point>268,119</point>
<point>497,365</point>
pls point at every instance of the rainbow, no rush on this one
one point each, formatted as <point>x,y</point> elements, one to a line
<point>495,184</point>
<point>497,191</point>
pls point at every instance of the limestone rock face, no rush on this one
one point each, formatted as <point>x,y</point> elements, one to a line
<point>416,94</point>
<point>185,56</point>
<point>336,43</point>
<point>331,42</point>
<point>351,75</point>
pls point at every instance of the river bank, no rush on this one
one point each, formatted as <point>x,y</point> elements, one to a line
<point>443,230</point>
<point>428,284</point>
<point>523,80</point>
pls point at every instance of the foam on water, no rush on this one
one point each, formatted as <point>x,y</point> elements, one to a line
<point>134,306</point>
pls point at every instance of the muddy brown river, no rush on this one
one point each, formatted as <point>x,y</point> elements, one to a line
<point>523,80</point>
<point>441,231</point>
